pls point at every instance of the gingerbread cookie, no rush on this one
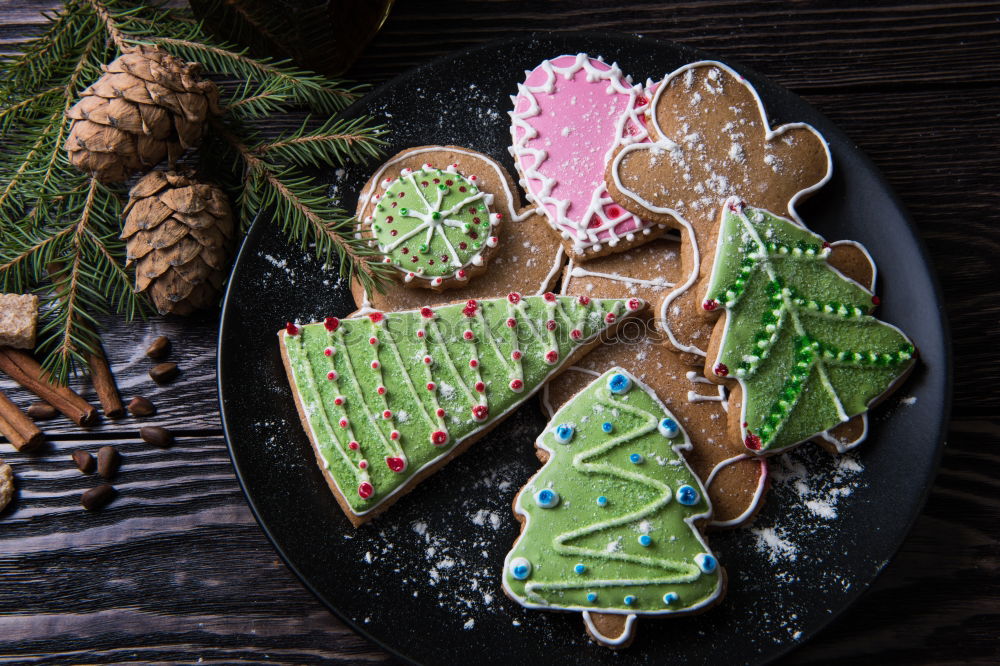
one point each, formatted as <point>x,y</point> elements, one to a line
<point>525,259</point>
<point>609,525</point>
<point>796,334</point>
<point>711,140</point>
<point>387,398</point>
<point>736,480</point>
<point>569,116</point>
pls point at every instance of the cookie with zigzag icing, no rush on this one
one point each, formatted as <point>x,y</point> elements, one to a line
<point>610,524</point>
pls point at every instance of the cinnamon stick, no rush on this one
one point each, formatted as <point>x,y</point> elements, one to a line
<point>100,372</point>
<point>26,371</point>
<point>15,425</point>
<point>104,385</point>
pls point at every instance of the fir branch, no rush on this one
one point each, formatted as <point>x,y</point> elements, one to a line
<point>16,112</point>
<point>110,25</point>
<point>317,92</point>
<point>260,103</point>
<point>304,210</point>
<point>333,142</point>
<point>52,214</point>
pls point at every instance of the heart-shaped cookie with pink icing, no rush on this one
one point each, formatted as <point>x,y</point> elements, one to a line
<point>570,115</point>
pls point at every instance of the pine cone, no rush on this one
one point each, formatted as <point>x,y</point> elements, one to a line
<point>179,233</point>
<point>148,105</point>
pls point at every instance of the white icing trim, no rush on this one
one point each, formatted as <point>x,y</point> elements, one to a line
<point>871,262</point>
<point>826,383</point>
<point>844,447</point>
<point>722,398</point>
<point>758,493</point>
<point>584,237</point>
<point>445,450</point>
<point>547,402</point>
<point>557,266</point>
<point>623,638</point>
<point>365,197</point>
<point>658,283</point>
<point>690,520</point>
<point>667,144</point>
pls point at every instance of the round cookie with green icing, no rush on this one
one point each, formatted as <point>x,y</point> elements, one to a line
<point>610,524</point>
<point>797,336</point>
<point>434,225</point>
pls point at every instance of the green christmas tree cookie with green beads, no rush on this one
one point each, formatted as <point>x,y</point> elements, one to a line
<point>798,336</point>
<point>610,523</point>
<point>386,397</point>
<point>434,226</point>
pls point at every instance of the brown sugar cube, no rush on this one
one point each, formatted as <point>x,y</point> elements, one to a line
<point>18,320</point>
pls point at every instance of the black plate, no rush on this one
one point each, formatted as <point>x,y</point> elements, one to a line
<point>423,580</point>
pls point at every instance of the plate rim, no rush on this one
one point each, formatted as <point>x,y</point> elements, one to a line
<point>693,53</point>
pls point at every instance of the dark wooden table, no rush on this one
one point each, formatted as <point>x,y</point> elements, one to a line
<point>178,570</point>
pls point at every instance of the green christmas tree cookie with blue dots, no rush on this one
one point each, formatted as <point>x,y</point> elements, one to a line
<point>610,522</point>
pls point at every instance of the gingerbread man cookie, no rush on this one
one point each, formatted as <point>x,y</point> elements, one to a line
<point>525,257</point>
<point>711,140</point>
<point>569,116</point>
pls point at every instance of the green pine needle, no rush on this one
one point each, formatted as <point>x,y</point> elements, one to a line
<point>59,229</point>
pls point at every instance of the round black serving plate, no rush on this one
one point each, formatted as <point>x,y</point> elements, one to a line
<point>423,580</point>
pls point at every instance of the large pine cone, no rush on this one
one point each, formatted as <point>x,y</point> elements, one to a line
<point>179,233</point>
<point>148,105</point>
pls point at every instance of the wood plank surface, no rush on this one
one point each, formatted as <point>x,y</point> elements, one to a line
<point>177,570</point>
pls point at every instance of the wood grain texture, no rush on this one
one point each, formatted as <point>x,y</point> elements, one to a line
<point>176,569</point>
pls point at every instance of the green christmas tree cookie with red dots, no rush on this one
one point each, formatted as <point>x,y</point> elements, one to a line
<point>610,523</point>
<point>797,336</point>
<point>388,397</point>
<point>435,227</point>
